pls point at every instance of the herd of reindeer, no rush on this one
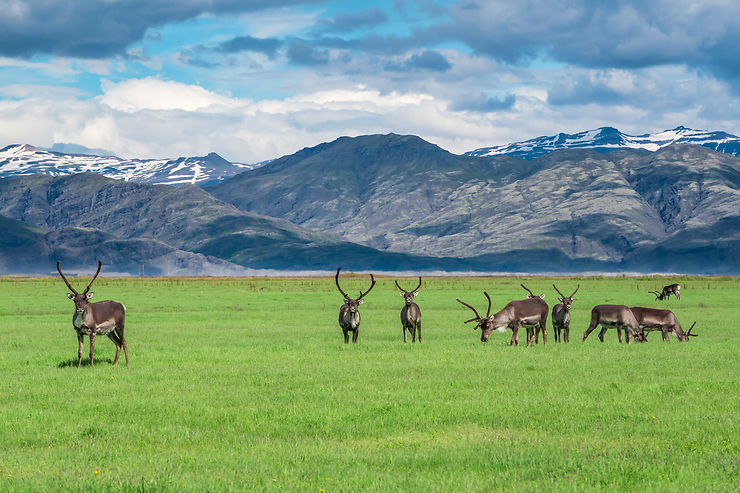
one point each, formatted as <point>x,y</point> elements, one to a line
<point>107,317</point>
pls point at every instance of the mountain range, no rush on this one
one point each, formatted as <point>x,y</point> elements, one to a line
<point>606,139</point>
<point>392,202</point>
<point>25,159</point>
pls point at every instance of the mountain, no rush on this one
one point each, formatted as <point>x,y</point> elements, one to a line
<point>19,160</point>
<point>165,230</point>
<point>564,210</point>
<point>606,139</point>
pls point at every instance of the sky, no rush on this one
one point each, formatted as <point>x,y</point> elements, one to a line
<point>258,79</point>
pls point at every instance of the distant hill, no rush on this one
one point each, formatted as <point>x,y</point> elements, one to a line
<point>20,160</point>
<point>606,139</point>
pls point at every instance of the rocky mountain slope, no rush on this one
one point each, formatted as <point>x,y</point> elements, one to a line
<point>19,160</point>
<point>162,229</point>
<point>402,194</point>
<point>606,139</point>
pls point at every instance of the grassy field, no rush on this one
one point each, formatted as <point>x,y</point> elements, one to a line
<point>243,384</point>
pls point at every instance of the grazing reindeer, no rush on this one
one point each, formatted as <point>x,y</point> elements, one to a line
<point>90,319</point>
<point>663,320</point>
<point>619,316</point>
<point>671,289</point>
<point>349,314</point>
<point>410,313</point>
<point>561,315</point>
<point>515,314</point>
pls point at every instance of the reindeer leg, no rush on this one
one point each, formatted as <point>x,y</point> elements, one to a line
<point>567,333</point>
<point>355,333</point>
<point>113,337</point>
<point>665,335</point>
<point>346,336</point>
<point>92,347</point>
<point>412,329</point>
<point>514,336</point>
<point>403,328</point>
<point>619,334</point>
<point>591,327</point>
<point>80,344</point>
<point>603,331</point>
<point>418,329</point>
<point>543,326</point>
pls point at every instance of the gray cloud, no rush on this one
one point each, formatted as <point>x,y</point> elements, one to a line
<point>91,29</point>
<point>426,60</point>
<point>348,22</point>
<point>303,53</point>
<point>627,34</point>
<point>268,46</point>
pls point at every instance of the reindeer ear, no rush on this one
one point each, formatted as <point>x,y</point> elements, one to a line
<point>415,294</point>
<point>361,302</point>
<point>90,295</point>
<point>400,293</point>
<point>70,296</point>
<point>542,296</point>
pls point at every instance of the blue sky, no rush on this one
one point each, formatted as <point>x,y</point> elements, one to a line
<point>257,79</point>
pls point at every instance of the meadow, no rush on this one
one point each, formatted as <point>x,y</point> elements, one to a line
<point>246,384</point>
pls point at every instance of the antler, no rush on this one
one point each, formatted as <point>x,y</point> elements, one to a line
<point>574,292</point>
<point>689,331</point>
<point>477,317</point>
<point>561,294</point>
<point>336,279</point>
<point>488,312</point>
<point>656,293</point>
<point>527,289</point>
<point>65,280</point>
<point>100,264</point>
<point>371,288</point>
<point>399,286</point>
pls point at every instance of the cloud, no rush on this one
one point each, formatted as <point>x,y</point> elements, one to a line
<point>425,60</point>
<point>154,94</point>
<point>303,53</point>
<point>91,29</point>
<point>267,46</point>
<point>626,34</point>
<point>345,22</point>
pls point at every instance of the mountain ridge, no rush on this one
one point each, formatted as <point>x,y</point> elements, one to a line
<point>605,139</point>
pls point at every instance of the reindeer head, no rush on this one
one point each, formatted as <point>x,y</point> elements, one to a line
<point>487,324</point>
<point>354,303</point>
<point>567,301</point>
<point>81,299</point>
<point>684,336</point>
<point>409,296</point>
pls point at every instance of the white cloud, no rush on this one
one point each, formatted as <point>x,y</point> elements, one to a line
<point>154,94</point>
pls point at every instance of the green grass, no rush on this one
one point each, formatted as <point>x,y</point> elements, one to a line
<point>243,384</point>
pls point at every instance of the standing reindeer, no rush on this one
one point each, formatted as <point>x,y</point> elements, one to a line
<point>410,313</point>
<point>619,316</point>
<point>671,289</point>
<point>663,320</point>
<point>90,319</point>
<point>561,315</point>
<point>349,314</point>
<point>540,326</point>
<point>515,314</point>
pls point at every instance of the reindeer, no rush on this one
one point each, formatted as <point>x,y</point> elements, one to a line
<point>561,315</point>
<point>619,316</point>
<point>90,319</point>
<point>349,314</point>
<point>538,328</point>
<point>671,289</point>
<point>527,313</point>
<point>410,313</point>
<point>663,320</point>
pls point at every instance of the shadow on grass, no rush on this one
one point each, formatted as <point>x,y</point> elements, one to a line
<point>72,363</point>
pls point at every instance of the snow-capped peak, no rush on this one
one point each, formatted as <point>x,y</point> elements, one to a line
<point>609,139</point>
<point>25,159</point>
